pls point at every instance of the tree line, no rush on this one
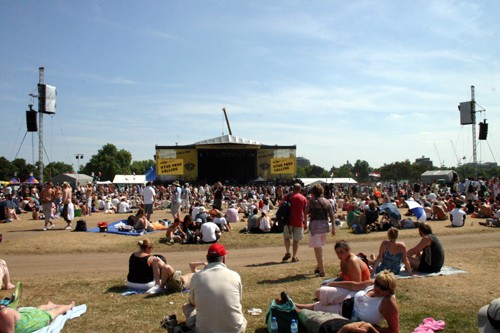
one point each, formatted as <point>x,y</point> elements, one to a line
<point>110,161</point>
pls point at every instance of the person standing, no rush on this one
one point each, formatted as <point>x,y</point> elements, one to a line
<point>89,190</point>
<point>218,193</point>
<point>176,200</point>
<point>320,212</point>
<point>148,197</point>
<point>215,284</point>
<point>47,197</point>
<point>293,231</point>
<point>186,198</point>
<point>68,212</point>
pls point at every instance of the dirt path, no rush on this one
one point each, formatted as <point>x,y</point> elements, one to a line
<point>56,264</point>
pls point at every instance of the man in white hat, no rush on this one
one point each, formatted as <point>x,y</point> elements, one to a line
<point>488,317</point>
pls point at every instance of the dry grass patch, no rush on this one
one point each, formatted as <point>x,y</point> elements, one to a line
<point>455,299</point>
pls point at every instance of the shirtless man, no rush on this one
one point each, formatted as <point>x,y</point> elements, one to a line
<point>88,194</point>
<point>68,209</point>
<point>47,197</point>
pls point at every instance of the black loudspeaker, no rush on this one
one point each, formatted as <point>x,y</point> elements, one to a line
<point>483,130</point>
<point>31,121</point>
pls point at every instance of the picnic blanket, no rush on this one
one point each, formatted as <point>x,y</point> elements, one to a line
<point>445,270</point>
<point>57,325</point>
<point>113,229</point>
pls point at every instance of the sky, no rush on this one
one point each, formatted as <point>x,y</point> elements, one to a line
<point>378,81</point>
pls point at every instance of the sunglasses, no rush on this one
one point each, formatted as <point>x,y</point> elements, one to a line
<point>380,286</point>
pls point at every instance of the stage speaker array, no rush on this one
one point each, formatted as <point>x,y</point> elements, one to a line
<point>31,121</point>
<point>483,130</point>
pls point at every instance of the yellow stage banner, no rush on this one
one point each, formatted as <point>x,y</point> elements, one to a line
<point>170,166</point>
<point>282,165</point>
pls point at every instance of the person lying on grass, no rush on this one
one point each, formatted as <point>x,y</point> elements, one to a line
<point>374,300</point>
<point>29,320</point>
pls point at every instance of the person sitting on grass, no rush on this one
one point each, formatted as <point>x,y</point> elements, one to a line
<point>428,255</point>
<point>391,254</point>
<point>253,221</point>
<point>374,300</point>
<point>141,222</point>
<point>5,283</point>
<point>175,233</point>
<point>458,216</point>
<point>209,232</point>
<point>221,222</point>
<point>29,320</point>
<point>264,223</point>
<point>151,273</point>
<point>352,268</point>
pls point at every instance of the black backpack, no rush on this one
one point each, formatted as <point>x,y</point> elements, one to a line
<point>471,188</point>
<point>81,225</point>
<point>283,212</point>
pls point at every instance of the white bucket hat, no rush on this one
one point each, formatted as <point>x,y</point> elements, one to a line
<point>488,317</point>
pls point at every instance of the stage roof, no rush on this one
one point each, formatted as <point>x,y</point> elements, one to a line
<point>227,139</point>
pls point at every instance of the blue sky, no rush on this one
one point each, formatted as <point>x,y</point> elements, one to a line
<point>343,80</point>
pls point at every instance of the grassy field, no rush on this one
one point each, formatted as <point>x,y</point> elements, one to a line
<point>455,299</point>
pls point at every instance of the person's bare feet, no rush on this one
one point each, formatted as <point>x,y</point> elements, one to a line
<point>9,286</point>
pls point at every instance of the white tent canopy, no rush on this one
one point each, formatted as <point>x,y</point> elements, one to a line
<point>129,179</point>
<point>313,181</point>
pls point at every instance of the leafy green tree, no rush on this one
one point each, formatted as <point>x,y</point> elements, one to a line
<point>312,171</point>
<point>361,170</point>
<point>56,168</point>
<point>109,161</point>
<point>23,169</point>
<point>140,167</point>
<point>6,169</point>
<point>344,171</point>
<point>396,171</point>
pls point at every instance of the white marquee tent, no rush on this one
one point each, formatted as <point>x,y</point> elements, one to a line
<point>313,181</point>
<point>129,179</point>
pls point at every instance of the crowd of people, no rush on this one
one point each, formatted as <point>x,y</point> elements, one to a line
<point>201,214</point>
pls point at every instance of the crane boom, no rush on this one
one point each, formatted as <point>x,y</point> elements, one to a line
<point>227,121</point>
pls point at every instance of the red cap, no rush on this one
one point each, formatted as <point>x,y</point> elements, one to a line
<point>217,250</point>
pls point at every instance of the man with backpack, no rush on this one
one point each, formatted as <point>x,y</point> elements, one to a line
<point>294,229</point>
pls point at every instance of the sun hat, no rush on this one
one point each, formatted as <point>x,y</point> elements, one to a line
<point>216,250</point>
<point>176,183</point>
<point>488,317</point>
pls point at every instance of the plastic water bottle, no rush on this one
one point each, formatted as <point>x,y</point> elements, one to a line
<point>274,325</point>
<point>294,328</point>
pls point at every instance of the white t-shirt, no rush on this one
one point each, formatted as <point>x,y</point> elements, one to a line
<point>221,221</point>
<point>208,231</point>
<point>123,207</point>
<point>148,195</point>
<point>457,216</point>
<point>265,225</point>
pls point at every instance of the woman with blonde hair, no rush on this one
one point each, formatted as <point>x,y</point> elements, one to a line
<point>320,213</point>
<point>391,254</point>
